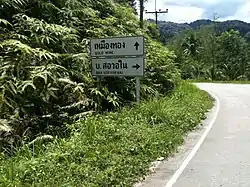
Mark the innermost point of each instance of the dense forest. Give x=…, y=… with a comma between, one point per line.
x=209, y=50
x=169, y=30
x=206, y=54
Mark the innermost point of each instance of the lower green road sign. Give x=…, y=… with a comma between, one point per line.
x=129, y=67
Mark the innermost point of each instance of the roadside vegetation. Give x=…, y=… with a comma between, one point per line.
x=211, y=55
x=46, y=79
x=57, y=126
x=115, y=149
x=222, y=82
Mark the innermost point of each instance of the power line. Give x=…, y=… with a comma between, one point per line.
x=156, y=14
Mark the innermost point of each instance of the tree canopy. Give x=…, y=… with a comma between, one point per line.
x=205, y=54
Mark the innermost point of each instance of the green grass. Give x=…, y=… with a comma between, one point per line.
x=222, y=82
x=110, y=150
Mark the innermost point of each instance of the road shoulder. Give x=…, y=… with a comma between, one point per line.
x=164, y=170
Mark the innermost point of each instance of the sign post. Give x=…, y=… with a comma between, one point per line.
x=137, y=88
x=119, y=56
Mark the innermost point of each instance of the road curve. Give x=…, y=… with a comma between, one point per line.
x=223, y=159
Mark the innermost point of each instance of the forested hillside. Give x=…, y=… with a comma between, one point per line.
x=170, y=29
x=205, y=54
x=209, y=50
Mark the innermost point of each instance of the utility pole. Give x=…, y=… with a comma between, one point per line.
x=156, y=13
x=141, y=13
x=215, y=18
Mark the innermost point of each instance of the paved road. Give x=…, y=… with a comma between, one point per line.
x=223, y=159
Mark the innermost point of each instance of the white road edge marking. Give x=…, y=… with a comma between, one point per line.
x=185, y=163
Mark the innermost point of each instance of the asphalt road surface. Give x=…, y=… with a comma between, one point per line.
x=223, y=158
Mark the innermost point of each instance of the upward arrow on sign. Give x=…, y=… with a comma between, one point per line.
x=137, y=45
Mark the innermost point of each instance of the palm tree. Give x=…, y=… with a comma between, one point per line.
x=191, y=46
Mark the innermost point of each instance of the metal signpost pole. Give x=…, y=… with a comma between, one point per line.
x=98, y=96
x=138, y=86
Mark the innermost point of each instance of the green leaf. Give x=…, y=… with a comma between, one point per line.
x=5, y=22
x=4, y=126
x=65, y=80
x=26, y=84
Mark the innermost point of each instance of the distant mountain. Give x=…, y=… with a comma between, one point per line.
x=171, y=29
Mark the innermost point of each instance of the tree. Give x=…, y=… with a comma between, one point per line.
x=131, y=3
x=207, y=37
x=191, y=46
x=232, y=56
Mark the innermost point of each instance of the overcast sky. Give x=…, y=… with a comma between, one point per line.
x=190, y=10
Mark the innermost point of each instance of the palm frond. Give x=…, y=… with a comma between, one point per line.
x=26, y=84
x=5, y=22
x=16, y=4
x=4, y=126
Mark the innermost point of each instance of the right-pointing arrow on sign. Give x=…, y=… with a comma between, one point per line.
x=137, y=45
x=137, y=66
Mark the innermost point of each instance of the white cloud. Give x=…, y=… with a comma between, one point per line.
x=191, y=10
x=180, y=14
x=176, y=13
